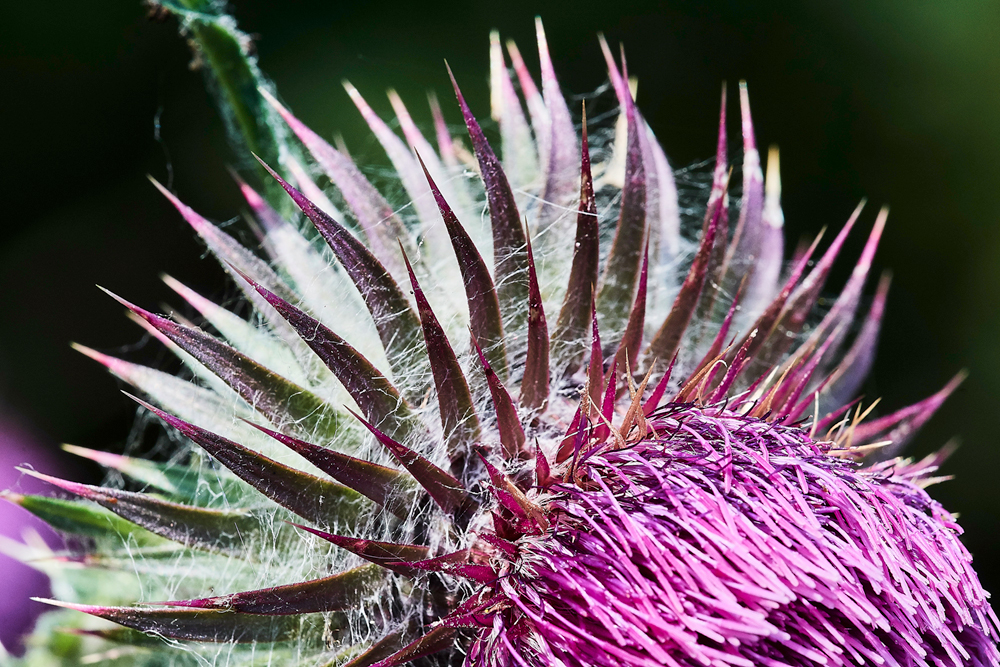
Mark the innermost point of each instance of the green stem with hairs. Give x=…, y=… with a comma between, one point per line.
x=234, y=81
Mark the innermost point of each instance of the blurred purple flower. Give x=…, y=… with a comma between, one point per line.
x=20, y=446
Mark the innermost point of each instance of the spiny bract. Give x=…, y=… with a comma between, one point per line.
x=614, y=447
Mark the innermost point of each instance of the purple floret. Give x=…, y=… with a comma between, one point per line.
x=724, y=540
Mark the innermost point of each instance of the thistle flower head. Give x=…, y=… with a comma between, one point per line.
x=610, y=445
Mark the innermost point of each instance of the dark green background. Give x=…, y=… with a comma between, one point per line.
x=898, y=101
